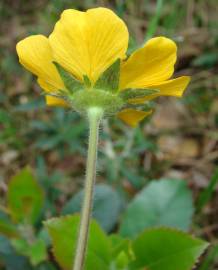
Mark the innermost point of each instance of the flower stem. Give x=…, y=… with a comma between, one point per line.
x=94, y=116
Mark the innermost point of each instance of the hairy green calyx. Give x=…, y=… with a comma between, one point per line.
x=103, y=94
x=85, y=99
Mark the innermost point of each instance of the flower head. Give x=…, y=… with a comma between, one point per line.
x=83, y=63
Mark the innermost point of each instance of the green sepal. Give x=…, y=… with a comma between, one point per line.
x=87, y=81
x=142, y=107
x=110, y=103
x=137, y=93
x=109, y=79
x=71, y=83
x=61, y=95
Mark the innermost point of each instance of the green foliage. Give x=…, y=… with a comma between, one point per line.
x=35, y=250
x=63, y=232
x=69, y=81
x=119, y=245
x=109, y=79
x=166, y=202
x=206, y=60
x=9, y=131
x=106, y=209
x=25, y=197
x=207, y=193
x=6, y=227
x=154, y=249
x=52, y=134
x=167, y=249
x=209, y=260
x=137, y=93
x=128, y=169
x=10, y=258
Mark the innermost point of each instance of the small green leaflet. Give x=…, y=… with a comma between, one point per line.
x=109, y=79
x=70, y=82
x=137, y=93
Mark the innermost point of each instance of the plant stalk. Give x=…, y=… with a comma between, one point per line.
x=94, y=116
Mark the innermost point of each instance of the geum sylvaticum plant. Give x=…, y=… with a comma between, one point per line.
x=83, y=66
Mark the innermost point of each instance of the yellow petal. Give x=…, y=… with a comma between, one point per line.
x=148, y=65
x=54, y=101
x=174, y=87
x=132, y=117
x=35, y=55
x=87, y=43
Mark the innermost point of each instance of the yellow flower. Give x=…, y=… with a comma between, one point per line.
x=86, y=44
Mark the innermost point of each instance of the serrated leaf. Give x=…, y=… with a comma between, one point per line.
x=137, y=93
x=109, y=79
x=71, y=83
x=63, y=232
x=167, y=249
x=106, y=209
x=25, y=197
x=166, y=202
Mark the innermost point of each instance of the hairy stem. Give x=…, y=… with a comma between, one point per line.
x=94, y=117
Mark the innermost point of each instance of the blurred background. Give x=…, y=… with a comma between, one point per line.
x=179, y=141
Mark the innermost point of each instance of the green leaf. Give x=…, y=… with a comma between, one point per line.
x=167, y=249
x=166, y=202
x=211, y=258
x=118, y=244
x=63, y=232
x=121, y=261
x=207, y=193
x=35, y=251
x=25, y=197
x=137, y=93
x=106, y=209
x=9, y=257
x=109, y=79
x=7, y=229
x=121, y=252
x=70, y=82
x=207, y=60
